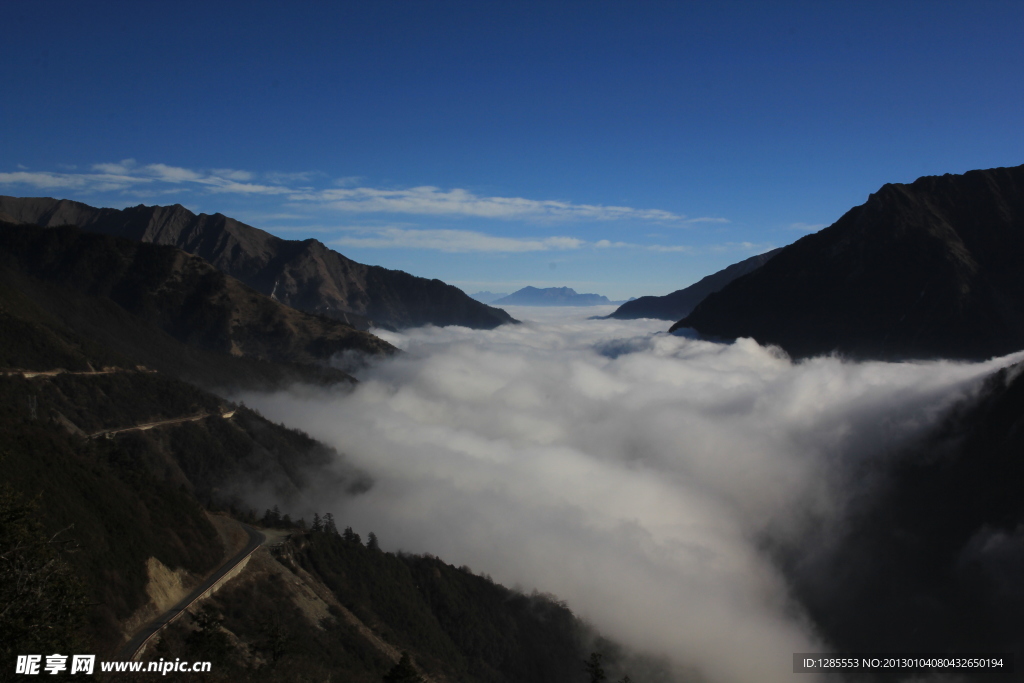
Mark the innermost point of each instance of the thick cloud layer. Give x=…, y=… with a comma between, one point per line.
x=633, y=474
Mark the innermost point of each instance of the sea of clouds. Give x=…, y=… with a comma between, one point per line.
x=636, y=475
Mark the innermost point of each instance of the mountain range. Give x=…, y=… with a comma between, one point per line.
x=305, y=275
x=160, y=307
x=929, y=269
x=679, y=303
x=551, y=296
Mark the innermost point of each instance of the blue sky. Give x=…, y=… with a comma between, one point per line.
x=623, y=148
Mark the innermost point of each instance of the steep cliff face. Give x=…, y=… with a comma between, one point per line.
x=930, y=269
x=302, y=274
x=680, y=302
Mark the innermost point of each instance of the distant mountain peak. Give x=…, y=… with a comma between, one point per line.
x=551, y=296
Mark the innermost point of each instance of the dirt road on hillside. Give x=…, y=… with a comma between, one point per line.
x=134, y=646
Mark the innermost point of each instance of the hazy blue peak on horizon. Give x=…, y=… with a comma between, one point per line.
x=552, y=296
x=486, y=297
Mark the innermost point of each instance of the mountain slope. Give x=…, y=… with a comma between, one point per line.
x=134, y=506
x=930, y=269
x=44, y=325
x=302, y=274
x=134, y=501
x=181, y=294
x=932, y=560
x=679, y=303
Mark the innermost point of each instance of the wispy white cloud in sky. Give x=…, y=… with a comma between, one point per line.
x=467, y=241
x=100, y=181
x=232, y=174
x=428, y=200
x=464, y=241
x=707, y=219
x=129, y=177
x=608, y=244
x=454, y=241
x=670, y=248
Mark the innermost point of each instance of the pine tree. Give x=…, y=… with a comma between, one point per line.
x=403, y=672
x=593, y=668
x=329, y=526
x=371, y=542
x=318, y=524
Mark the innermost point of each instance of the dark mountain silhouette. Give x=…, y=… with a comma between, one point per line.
x=926, y=270
x=679, y=303
x=551, y=296
x=302, y=274
x=931, y=559
x=180, y=294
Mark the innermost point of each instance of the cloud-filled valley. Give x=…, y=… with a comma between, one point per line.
x=636, y=475
x=513, y=343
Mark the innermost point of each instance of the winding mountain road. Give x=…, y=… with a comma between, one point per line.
x=160, y=423
x=134, y=646
x=33, y=374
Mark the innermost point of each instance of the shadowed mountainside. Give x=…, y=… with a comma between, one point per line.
x=305, y=275
x=925, y=270
x=180, y=294
x=679, y=303
x=124, y=502
x=44, y=326
x=932, y=560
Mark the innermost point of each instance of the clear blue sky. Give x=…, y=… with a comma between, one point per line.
x=623, y=148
